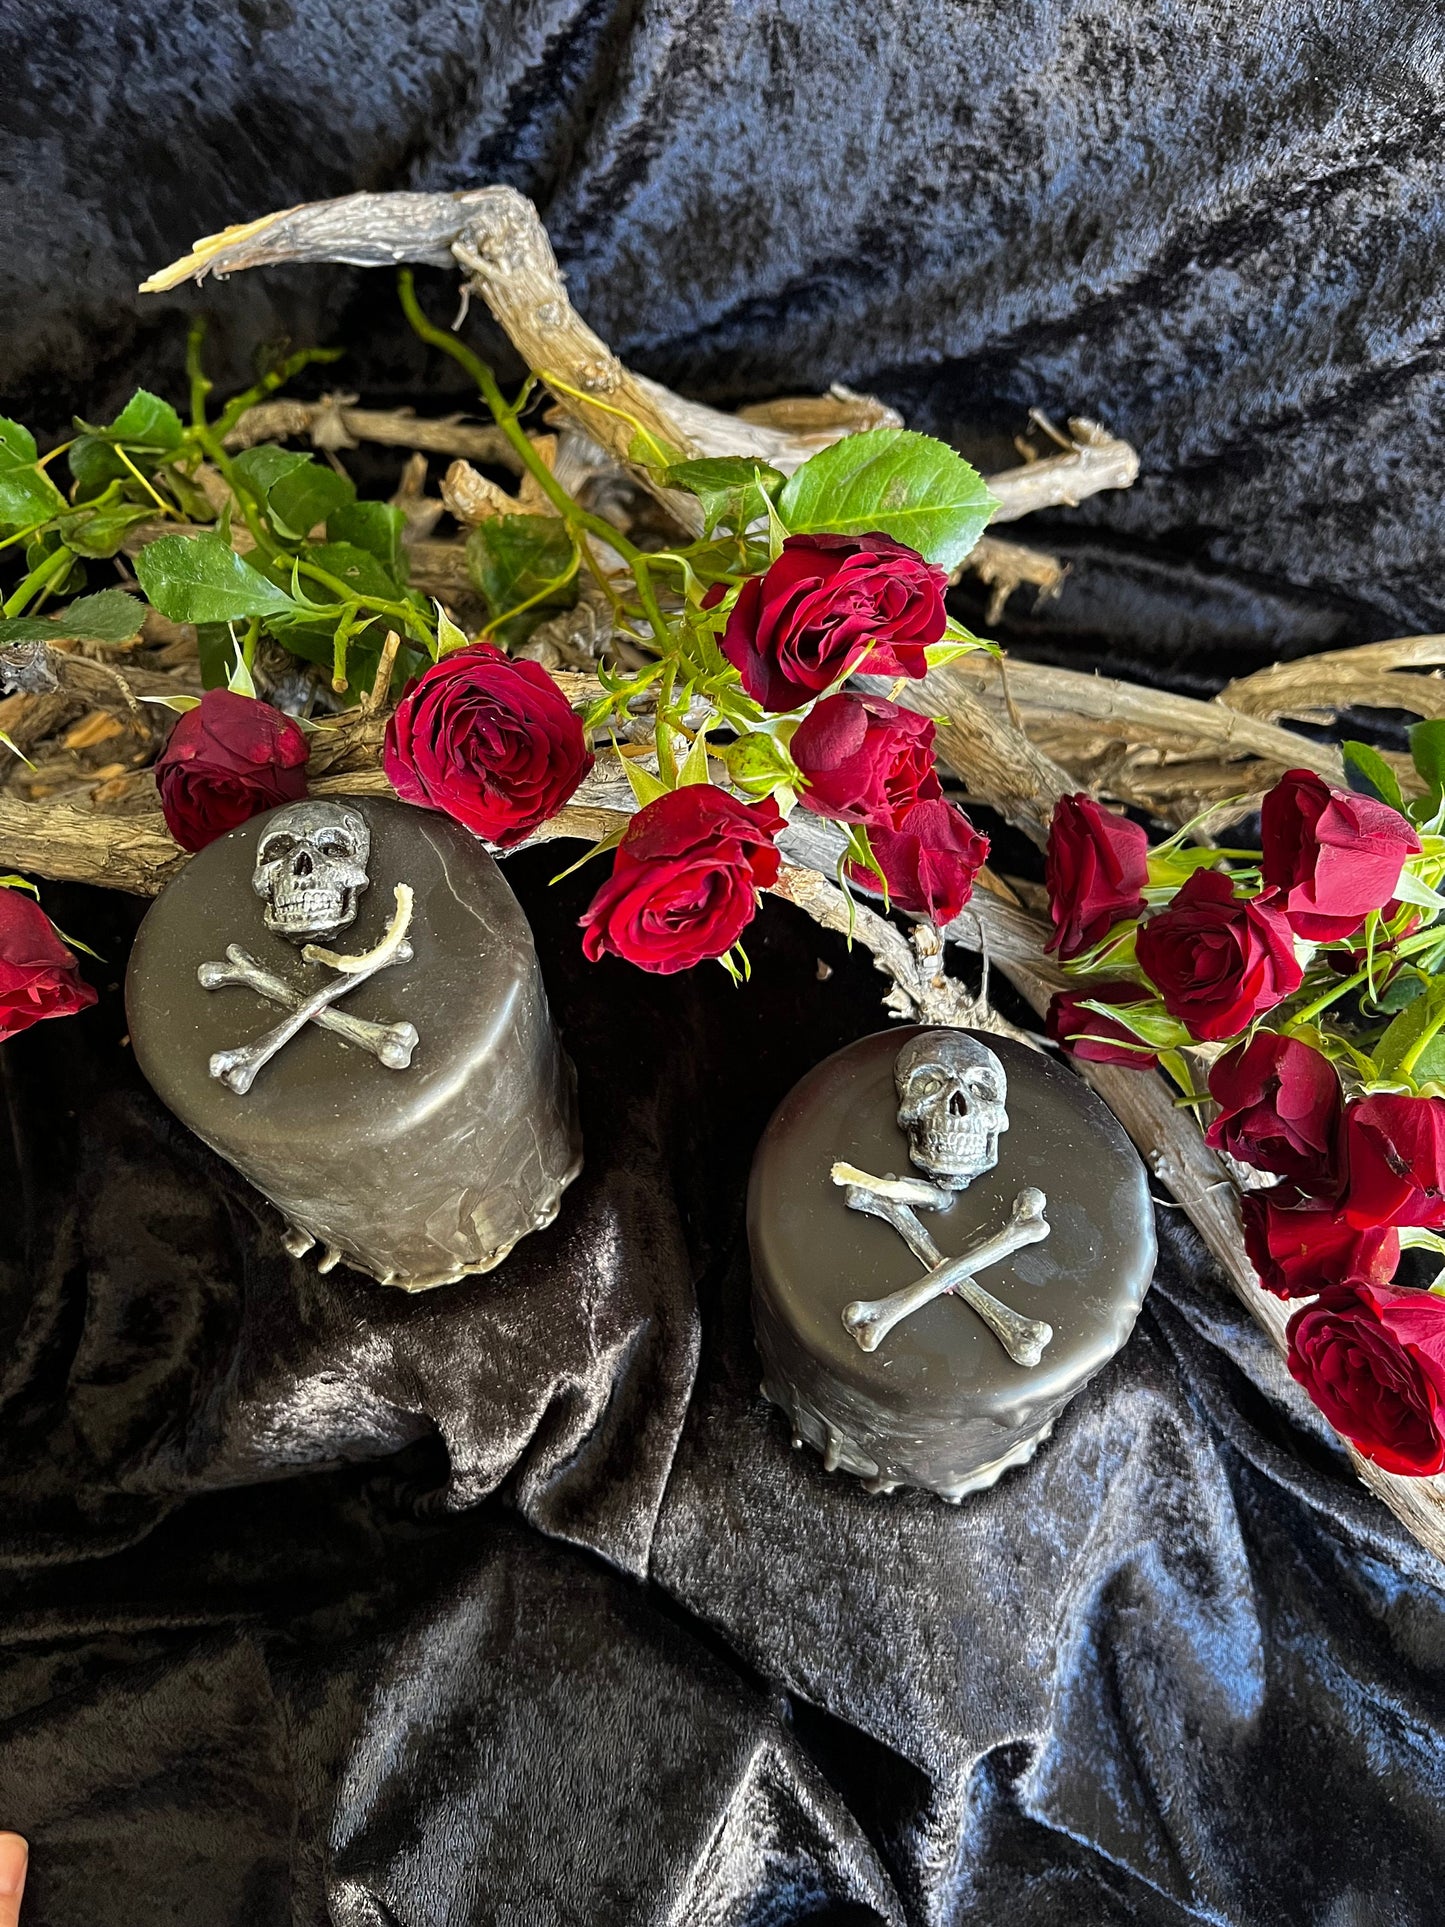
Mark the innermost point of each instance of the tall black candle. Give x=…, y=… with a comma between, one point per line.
x=344, y=1000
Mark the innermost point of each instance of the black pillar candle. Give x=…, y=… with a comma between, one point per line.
x=425, y=1119
x=938, y=1402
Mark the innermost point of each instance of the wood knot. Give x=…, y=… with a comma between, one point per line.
x=601, y=376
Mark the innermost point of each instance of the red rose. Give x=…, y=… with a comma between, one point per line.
x=930, y=860
x=1373, y=1360
x=39, y=976
x=1299, y=1247
x=488, y=740
x=1280, y=1109
x=1395, y=1154
x=685, y=880
x=827, y=600
x=866, y=760
x=225, y=762
x=1092, y=1036
x=1096, y=868
x=1332, y=855
x=1218, y=960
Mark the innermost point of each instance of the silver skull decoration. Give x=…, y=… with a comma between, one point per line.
x=952, y=1098
x=311, y=869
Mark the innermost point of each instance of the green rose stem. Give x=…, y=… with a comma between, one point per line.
x=573, y=514
x=38, y=582
x=1408, y=947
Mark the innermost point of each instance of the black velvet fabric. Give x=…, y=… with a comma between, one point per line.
x=510, y=1604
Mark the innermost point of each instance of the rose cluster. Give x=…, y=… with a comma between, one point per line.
x=1352, y=1170
x=492, y=742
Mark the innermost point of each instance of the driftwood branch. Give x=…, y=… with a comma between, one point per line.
x=496, y=236
x=1091, y=461
x=334, y=423
x=1003, y=567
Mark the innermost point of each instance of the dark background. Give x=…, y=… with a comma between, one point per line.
x=510, y=1604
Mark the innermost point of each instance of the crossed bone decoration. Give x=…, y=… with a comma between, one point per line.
x=893, y=1200
x=391, y=1044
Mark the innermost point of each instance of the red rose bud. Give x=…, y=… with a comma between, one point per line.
x=685, y=880
x=930, y=860
x=1395, y=1155
x=225, y=762
x=1332, y=855
x=39, y=976
x=825, y=602
x=1096, y=868
x=1218, y=960
x=1095, y=1038
x=1299, y=1246
x=865, y=759
x=1373, y=1359
x=1280, y=1109
x=487, y=740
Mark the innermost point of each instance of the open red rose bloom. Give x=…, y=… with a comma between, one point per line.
x=489, y=740
x=828, y=602
x=684, y=880
x=1373, y=1360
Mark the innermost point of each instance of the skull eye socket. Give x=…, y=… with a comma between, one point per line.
x=332, y=843
x=277, y=848
x=928, y=1085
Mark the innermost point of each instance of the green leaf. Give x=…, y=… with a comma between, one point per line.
x=17, y=445
x=909, y=486
x=1429, y=1066
x=305, y=496
x=1415, y=1021
x=109, y=616
x=199, y=579
x=734, y=489
x=1401, y=991
x=358, y=569
x=147, y=427
x=216, y=651
x=376, y=527
x=147, y=422
x=27, y=494
x=1409, y=888
x=1369, y=774
x=102, y=532
x=516, y=558
x=259, y=468
x=1427, y=751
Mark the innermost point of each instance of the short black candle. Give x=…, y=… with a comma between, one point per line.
x=939, y=1403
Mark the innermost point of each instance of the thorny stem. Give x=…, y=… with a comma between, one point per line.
x=505, y=416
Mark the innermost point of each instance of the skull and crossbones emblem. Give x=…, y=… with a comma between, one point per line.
x=311, y=869
x=952, y=1106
